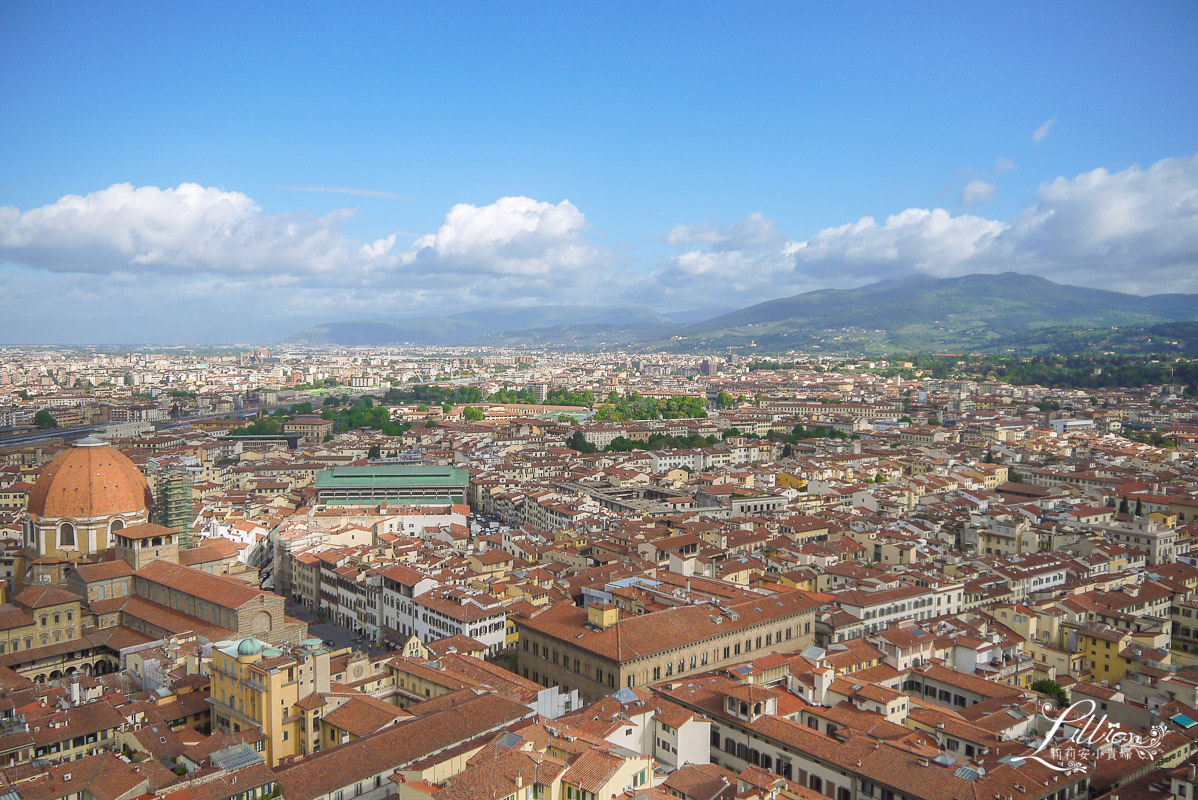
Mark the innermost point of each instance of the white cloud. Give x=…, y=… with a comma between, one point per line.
x=738, y=260
x=147, y=247
x=183, y=230
x=1041, y=133
x=977, y=191
x=754, y=232
x=1003, y=164
x=915, y=240
x=514, y=236
x=193, y=229
x=1134, y=230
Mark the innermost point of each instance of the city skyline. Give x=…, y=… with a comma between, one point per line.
x=187, y=176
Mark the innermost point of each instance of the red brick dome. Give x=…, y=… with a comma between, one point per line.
x=91, y=479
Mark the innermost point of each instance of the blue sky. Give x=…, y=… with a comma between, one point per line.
x=710, y=154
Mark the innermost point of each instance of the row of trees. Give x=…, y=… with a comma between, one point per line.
x=656, y=441
x=424, y=394
x=345, y=413
x=456, y=395
x=636, y=406
x=1093, y=371
x=362, y=413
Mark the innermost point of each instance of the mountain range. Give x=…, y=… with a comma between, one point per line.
x=919, y=313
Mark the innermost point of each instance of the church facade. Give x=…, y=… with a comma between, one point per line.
x=97, y=576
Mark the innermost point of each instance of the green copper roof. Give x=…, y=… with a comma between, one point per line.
x=392, y=476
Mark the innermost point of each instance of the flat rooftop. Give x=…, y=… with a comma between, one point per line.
x=391, y=476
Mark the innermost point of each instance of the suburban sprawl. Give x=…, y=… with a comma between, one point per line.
x=495, y=573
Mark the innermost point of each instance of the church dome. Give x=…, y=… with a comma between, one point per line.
x=91, y=479
x=249, y=647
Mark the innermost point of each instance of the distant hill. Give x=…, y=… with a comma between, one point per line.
x=916, y=314
x=583, y=336
x=923, y=313
x=698, y=314
x=462, y=328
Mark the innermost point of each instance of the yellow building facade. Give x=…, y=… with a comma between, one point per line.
x=256, y=686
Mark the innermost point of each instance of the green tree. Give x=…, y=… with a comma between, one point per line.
x=446, y=408
x=267, y=426
x=374, y=452
x=44, y=419
x=559, y=397
x=725, y=400
x=472, y=414
x=578, y=442
x=1053, y=690
x=1124, y=507
x=1139, y=507
x=637, y=406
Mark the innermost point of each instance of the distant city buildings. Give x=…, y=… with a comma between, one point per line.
x=232, y=575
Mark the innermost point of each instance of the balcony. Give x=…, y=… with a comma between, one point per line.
x=217, y=705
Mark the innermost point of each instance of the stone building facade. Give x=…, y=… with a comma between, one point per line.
x=597, y=651
x=218, y=600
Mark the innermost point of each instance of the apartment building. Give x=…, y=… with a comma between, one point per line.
x=882, y=609
x=598, y=650
x=254, y=686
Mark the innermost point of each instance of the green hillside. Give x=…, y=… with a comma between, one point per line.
x=917, y=314
x=970, y=312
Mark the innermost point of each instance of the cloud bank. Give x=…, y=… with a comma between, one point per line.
x=164, y=255
x=1135, y=230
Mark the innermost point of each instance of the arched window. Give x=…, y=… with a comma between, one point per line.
x=115, y=526
x=66, y=535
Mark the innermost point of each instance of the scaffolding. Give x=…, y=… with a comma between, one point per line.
x=175, y=508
